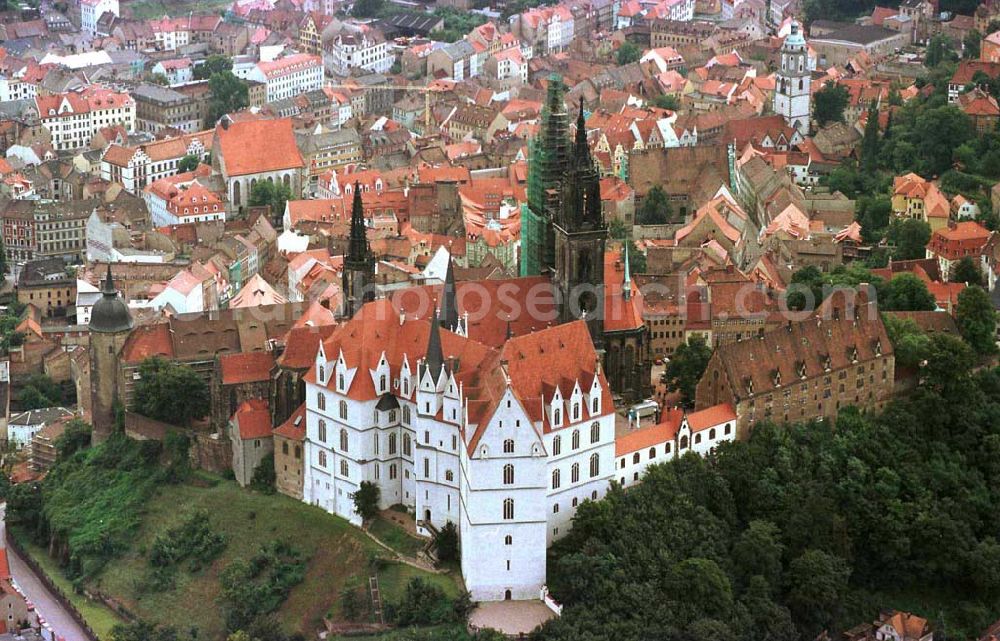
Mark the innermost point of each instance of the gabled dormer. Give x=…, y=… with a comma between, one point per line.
x=452, y=401
x=344, y=374
x=406, y=382
x=576, y=402
x=557, y=409
x=594, y=396
x=322, y=366
x=382, y=376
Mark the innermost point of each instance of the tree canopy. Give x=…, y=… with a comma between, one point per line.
x=628, y=53
x=170, y=392
x=802, y=528
x=229, y=94
x=829, y=103
x=654, y=209
x=274, y=195
x=976, y=319
x=910, y=237
x=685, y=367
x=215, y=63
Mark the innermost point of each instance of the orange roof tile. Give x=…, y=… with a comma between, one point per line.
x=253, y=419
x=246, y=367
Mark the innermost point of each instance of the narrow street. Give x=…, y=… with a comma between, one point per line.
x=46, y=604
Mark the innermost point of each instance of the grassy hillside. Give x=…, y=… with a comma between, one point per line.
x=149, y=9
x=337, y=553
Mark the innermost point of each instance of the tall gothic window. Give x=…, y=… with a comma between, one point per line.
x=508, y=474
x=343, y=440
x=508, y=509
x=595, y=465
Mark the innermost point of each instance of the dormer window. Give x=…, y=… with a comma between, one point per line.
x=576, y=412
x=556, y=416
x=595, y=404
x=382, y=383
x=322, y=374
x=340, y=382
x=777, y=378
x=802, y=369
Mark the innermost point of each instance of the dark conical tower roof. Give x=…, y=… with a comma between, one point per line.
x=110, y=314
x=435, y=355
x=581, y=185
x=358, y=250
x=449, y=303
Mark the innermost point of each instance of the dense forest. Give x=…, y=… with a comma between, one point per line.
x=804, y=528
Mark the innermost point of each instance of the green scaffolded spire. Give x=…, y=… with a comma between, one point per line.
x=548, y=160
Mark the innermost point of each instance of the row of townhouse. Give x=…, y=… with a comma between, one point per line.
x=73, y=118
x=285, y=77
x=136, y=167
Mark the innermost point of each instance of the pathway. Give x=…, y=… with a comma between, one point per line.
x=46, y=604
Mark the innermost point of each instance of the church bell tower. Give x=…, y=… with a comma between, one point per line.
x=580, y=237
x=358, y=280
x=791, y=91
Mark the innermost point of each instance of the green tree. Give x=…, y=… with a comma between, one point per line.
x=829, y=103
x=971, y=44
x=907, y=293
x=976, y=319
x=937, y=133
x=367, y=8
x=939, y=50
x=74, y=438
x=617, y=229
x=817, y=584
x=188, y=163
x=264, y=477
x=229, y=94
x=685, y=368
x=636, y=259
x=805, y=290
x=446, y=543
x=910, y=345
x=665, y=101
x=967, y=271
x=870, y=143
x=157, y=79
x=910, y=238
x=215, y=63
x=758, y=552
x=273, y=195
x=366, y=500
x=170, y=392
x=654, y=209
x=40, y=391
x=628, y=53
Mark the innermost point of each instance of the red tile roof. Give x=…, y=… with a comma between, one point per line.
x=246, y=367
x=253, y=419
x=295, y=427
x=711, y=416
x=258, y=146
x=644, y=437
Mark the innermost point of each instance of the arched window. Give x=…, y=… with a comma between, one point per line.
x=556, y=417
x=595, y=465
x=728, y=428
x=576, y=439
x=595, y=432
x=381, y=383
x=344, y=470
x=576, y=411
x=375, y=442
x=321, y=431
x=392, y=444
x=449, y=475
x=298, y=452
x=322, y=458
x=322, y=373
x=392, y=471
x=711, y=434
x=343, y=410
x=508, y=474
x=508, y=509
x=508, y=540
x=508, y=446
x=406, y=445
x=652, y=453
x=574, y=473
x=284, y=448
x=340, y=382
x=557, y=445
x=343, y=440
x=392, y=416
x=697, y=438
x=684, y=442
x=321, y=400
x=406, y=415
x=635, y=458
x=555, y=479
x=595, y=406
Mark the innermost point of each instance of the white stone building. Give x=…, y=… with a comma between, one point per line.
x=136, y=167
x=791, y=91
x=504, y=443
x=74, y=117
x=360, y=48
x=287, y=77
x=92, y=10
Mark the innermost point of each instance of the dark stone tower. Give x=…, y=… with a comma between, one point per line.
x=110, y=324
x=449, y=300
x=580, y=236
x=358, y=283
